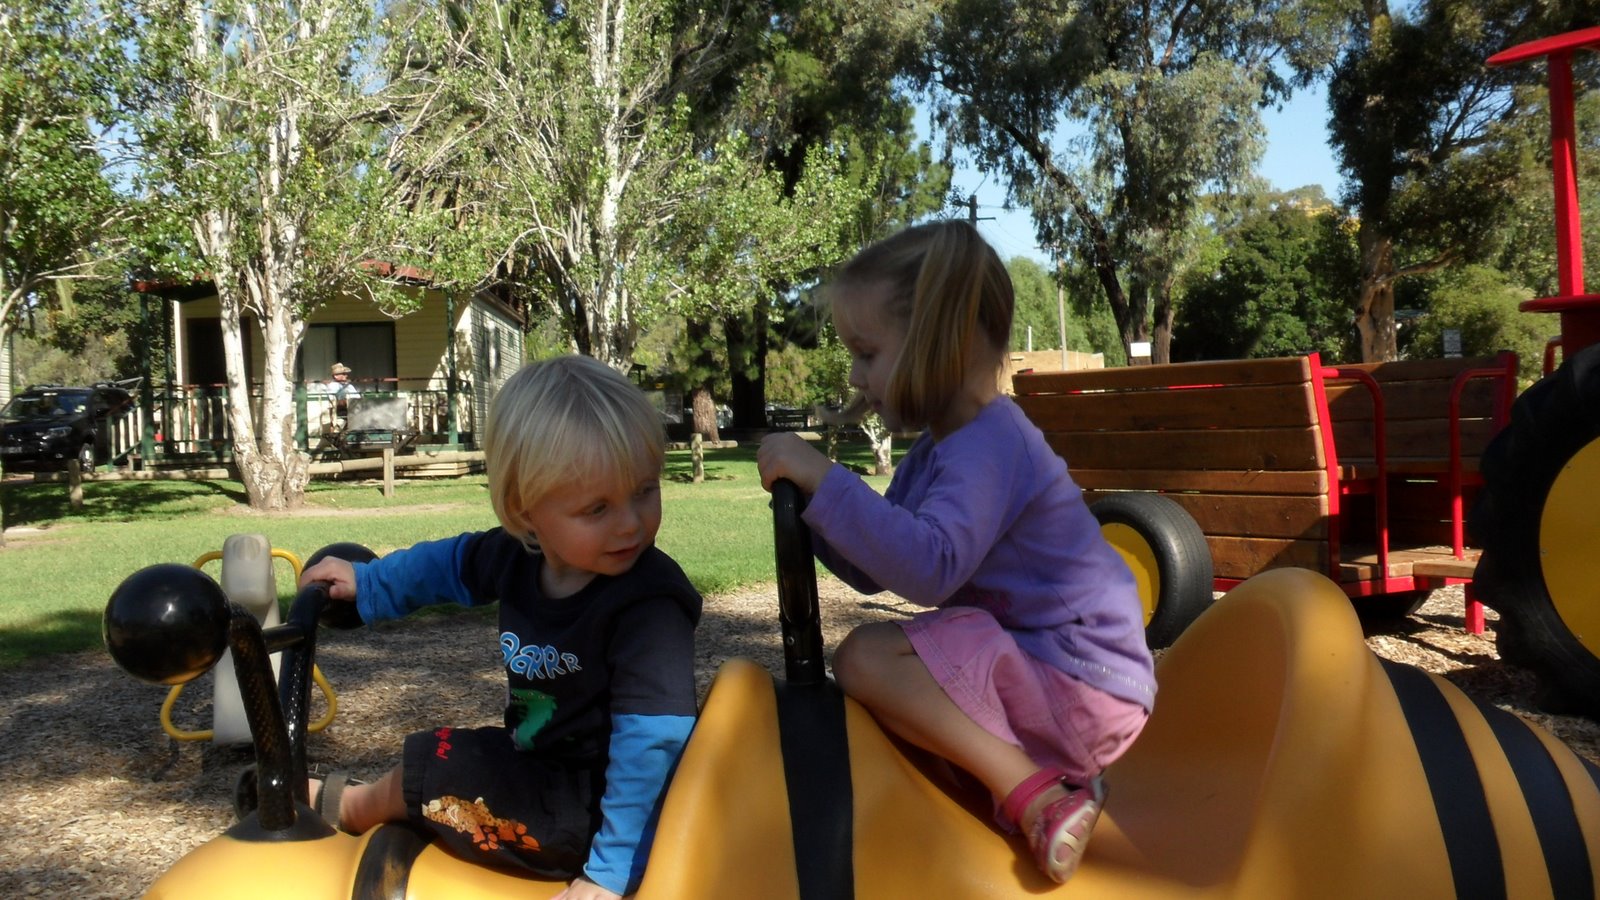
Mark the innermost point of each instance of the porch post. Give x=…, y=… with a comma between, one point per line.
x=301, y=439
x=169, y=329
x=450, y=366
x=147, y=427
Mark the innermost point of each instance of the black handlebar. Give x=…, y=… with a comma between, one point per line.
x=798, y=612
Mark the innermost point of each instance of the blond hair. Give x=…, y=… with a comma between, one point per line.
x=563, y=419
x=948, y=286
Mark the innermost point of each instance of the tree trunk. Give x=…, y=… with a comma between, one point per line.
x=747, y=353
x=1374, y=316
x=882, y=440
x=704, y=409
x=273, y=470
x=1164, y=315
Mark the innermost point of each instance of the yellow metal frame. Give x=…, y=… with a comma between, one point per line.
x=207, y=734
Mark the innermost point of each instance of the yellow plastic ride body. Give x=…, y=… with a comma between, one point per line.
x=1284, y=760
x=1280, y=763
x=329, y=868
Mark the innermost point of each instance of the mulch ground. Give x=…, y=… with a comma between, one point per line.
x=96, y=801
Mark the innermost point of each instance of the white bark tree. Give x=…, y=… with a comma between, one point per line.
x=584, y=107
x=262, y=140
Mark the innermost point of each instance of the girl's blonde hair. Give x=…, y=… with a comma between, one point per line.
x=948, y=286
x=564, y=419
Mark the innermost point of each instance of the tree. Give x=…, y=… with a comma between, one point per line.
x=261, y=149
x=742, y=236
x=1159, y=103
x=816, y=78
x=97, y=335
x=1089, y=325
x=585, y=106
x=1480, y=304
x=1035, y=311
x=58, y=212
x=1419, y=125
x=1281, y=288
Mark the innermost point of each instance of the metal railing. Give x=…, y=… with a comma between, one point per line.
x=190, y=423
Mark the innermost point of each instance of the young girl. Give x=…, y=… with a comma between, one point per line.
x=1030, y=671
x=596, y=633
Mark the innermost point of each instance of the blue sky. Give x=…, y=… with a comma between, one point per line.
x=1297, y=155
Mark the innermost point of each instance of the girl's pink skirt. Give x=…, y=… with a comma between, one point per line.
x=1056, y=719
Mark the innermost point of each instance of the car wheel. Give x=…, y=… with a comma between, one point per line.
x=86, y=457
x=1167, y=553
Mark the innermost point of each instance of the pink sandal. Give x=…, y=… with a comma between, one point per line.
x=1061, y=831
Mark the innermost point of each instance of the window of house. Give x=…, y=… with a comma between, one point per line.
x=366, y=347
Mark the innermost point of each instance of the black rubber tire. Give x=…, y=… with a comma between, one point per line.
x=1550, y=423
x=86, y=458
x=1182, y=559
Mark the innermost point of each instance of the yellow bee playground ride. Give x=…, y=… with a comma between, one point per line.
x=1284, y=760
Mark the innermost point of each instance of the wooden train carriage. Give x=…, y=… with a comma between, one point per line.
x=1438, y=416
x=1256, y=452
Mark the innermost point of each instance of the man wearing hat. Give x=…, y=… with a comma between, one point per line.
x=340, y=388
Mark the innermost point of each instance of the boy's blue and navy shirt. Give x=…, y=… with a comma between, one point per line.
x=602, y=677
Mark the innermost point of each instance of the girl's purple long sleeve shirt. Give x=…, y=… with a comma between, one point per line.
x=989, y=517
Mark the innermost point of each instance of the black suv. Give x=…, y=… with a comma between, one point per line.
x=47, y=424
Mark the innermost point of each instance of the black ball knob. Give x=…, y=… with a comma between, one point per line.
x=167, y=623
x=349, y=551
x=339, y=613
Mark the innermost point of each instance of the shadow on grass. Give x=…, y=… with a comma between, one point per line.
x=27, y=503
x=63, y=631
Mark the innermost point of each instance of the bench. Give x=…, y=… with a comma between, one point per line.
x=374, y=424
x=1251, y=449
x=787, y=419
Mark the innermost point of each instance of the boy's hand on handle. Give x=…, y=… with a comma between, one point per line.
x=584, y=889
x=787, y=455
x=340, y=575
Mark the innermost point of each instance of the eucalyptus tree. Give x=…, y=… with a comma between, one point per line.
x=264, y=143
x=584, y=110
x=1112, y=120
x=59, y=214
x=653, y=159
x=803, y=77
x=1426, y=137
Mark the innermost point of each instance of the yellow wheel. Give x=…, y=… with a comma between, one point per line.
x=1167, y=553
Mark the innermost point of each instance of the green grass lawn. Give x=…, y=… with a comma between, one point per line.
x=60, y=564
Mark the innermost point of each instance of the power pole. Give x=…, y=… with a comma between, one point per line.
x=972, y=211
x=1061, y=302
